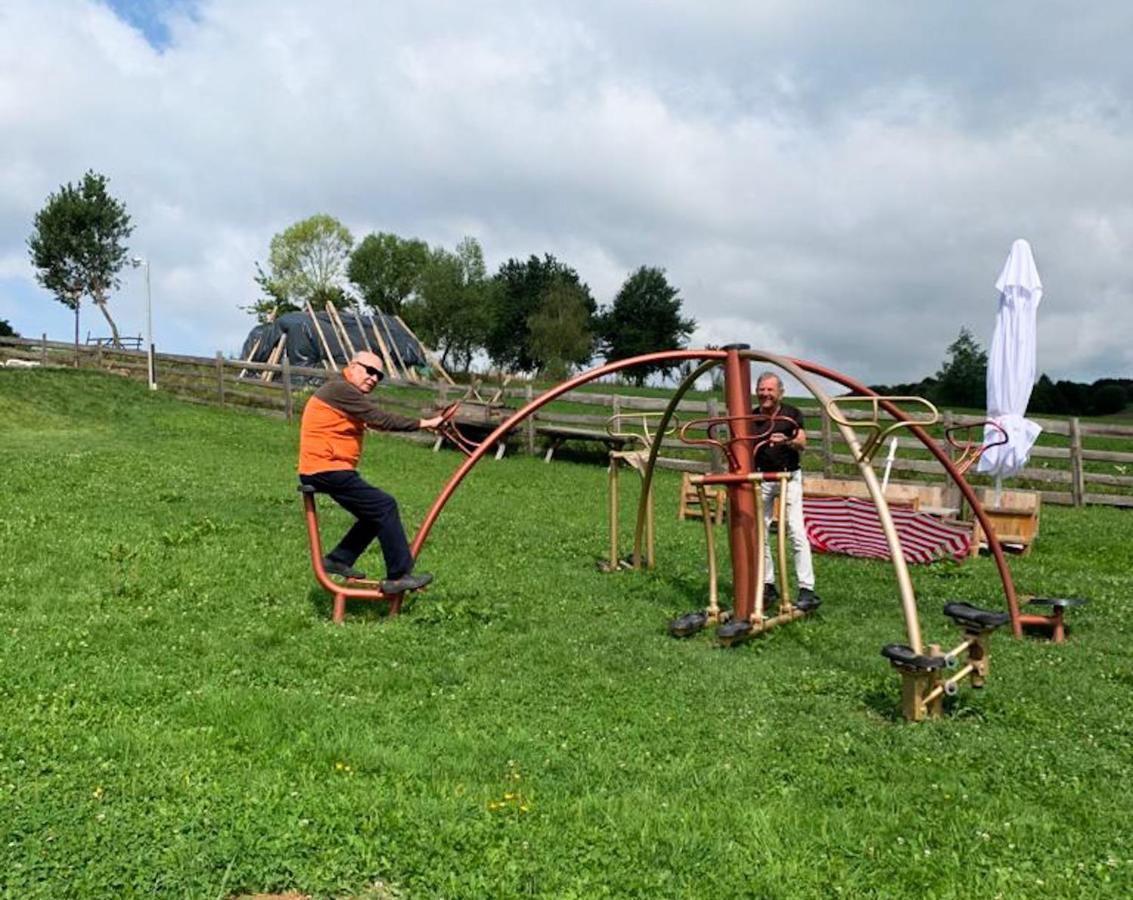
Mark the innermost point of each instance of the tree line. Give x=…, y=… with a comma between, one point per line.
x=962, y=381
x=531, y=315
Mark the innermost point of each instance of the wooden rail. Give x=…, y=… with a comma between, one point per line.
x=1078, y=472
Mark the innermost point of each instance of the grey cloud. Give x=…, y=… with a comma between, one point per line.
x=842, y=184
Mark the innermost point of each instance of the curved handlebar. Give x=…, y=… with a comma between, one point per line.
x=971, y=450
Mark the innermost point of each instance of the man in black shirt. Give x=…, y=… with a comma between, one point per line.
x=780, y=453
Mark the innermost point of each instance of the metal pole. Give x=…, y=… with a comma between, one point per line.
x=150, y=361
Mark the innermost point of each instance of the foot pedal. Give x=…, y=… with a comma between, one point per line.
x=734, y=631
x=1058, y=602
x=688, y=624
x=904, y=657
x=972, y=617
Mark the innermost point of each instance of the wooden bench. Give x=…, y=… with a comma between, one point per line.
x=557, y=435
x=690, y=501
x=922, y=497
x=1015, y=518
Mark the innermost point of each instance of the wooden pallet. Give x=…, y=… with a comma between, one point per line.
x=690, y=507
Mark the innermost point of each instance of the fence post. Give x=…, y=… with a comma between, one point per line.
x=1077, y=476
x=43, y=350
x=288, y=408
x=827, y=445
x=529, y=422
x=220, y=377
x=716, y=457
x=952, y=495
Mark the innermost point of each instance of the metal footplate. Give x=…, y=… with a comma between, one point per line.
x=735, y=631
x=904, y=657
x=972, y=618
x=688, y=624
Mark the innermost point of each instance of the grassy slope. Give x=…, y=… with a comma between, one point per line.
x=179, y=717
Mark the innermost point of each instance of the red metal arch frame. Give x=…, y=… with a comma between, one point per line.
x=709, y=358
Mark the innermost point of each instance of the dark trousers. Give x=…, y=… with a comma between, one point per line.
x=376, y=512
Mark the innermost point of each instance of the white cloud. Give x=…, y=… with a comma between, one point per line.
x=812, y=182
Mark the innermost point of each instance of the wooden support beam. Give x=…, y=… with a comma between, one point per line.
x=328, y=361
x=251, y=355
x=340, y=332
x=273, y=359
x=386, y=358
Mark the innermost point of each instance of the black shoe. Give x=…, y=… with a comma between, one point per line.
x=770, y=593
x=808, y=600
x=334, y=567
x=406, y=583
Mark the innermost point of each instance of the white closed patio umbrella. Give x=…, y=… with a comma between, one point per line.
x=1011, y=366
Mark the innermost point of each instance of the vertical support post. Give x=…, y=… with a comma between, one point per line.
x=827, y=445
x=716, y=458
x=742, y=526
x=220, y=377
x=613, y=489
x=43, y=350
x=288, y=404
x=1077, y=476
x=529, y=422
x=98, y=354
x=952, y=496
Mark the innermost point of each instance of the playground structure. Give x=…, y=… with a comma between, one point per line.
x=635, y=430
x=922, y=680
x=363, y=588
x=353, y=588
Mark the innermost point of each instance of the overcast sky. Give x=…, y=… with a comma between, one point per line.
x=831, y=180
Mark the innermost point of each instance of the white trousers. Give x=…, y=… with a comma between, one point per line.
x=804, y=567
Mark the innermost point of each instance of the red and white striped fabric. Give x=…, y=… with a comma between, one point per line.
x=851, y=525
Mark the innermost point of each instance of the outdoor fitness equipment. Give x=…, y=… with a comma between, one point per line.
x=358, y=588
x=352, y=588
x=725, y=434
x=634, y=429
x=735, y=360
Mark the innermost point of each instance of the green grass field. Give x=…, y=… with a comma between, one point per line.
x=180, y=718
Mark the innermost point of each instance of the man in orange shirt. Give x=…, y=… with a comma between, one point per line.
x=334, y=422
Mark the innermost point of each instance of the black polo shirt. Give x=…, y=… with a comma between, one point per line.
x=779, y=457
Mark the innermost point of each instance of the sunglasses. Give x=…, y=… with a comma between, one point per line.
x=371, y=371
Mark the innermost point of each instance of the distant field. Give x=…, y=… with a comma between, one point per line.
x=179, y=717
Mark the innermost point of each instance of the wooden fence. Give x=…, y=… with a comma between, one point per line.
x=1075, y=462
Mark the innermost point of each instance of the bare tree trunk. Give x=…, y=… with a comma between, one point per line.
x=115, y=340
x=78, y=303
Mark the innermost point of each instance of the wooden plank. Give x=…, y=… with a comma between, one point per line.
x=251, y=353
x=329, y=360
x=273, y=358
x=428, y=354
x=361, y=329
x=387, y=360
x=397, y=352
x=340, y=330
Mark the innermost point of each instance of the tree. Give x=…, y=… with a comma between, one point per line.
x=453, y=306
x=962, y=381
x=1108, y=399
x=273, y=301
x=387, y=270
x=559, y=330
x=645, y=318
x=523, y=287
x=1046, y=398
x=78, y=246
x=307, y=263
x=6, y=329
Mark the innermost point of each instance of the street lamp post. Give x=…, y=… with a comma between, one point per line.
x=151, y=366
